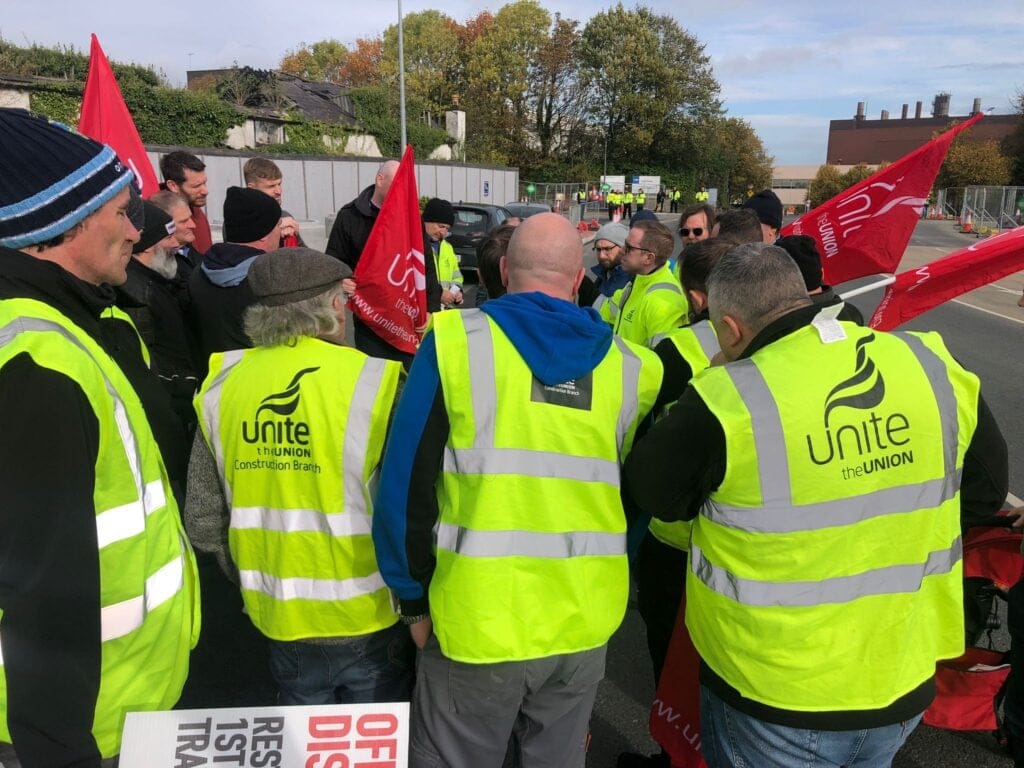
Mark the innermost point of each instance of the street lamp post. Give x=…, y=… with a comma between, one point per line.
x=401, y=77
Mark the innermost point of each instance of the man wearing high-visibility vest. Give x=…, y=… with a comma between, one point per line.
x=613, y=201
x=653, y=301
x=677, y=195
x=827, y=469
x=627, y=204
x=499, y=523
x=701, y=196
x=641, y=200
x=291, y=435
x=438, y=220
x=99, y=602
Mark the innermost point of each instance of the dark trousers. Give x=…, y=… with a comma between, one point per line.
x=1013, y=707
x=660, y=582
x=373, y=345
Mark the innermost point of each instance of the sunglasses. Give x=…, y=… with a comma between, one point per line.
x=697, y=231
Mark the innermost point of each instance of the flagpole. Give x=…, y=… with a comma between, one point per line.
x=887, y=280
x=401, y=78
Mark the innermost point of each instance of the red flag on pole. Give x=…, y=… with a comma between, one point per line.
x=922, y=289
x=391, y=277
x=106, y=119
x=865, y=229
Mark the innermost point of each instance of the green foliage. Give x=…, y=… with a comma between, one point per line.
x=321, y=61
x=1013, y=145
x=58, y=102
x=176, y=117
x=432, y=61
x=829, y=182
x=377, y=109
x=974, y=162
x=67, y=63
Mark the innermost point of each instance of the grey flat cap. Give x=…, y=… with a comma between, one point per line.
x=288, y=275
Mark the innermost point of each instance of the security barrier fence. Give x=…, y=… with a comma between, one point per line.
x=989, y=209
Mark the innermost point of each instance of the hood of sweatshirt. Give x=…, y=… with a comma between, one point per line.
x=227, y=264
x=558, y=340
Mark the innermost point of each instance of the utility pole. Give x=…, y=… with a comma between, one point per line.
x=401, y=77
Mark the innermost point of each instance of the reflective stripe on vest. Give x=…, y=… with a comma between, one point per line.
x=476, y=543
x=842, y=589
x=297, y=588
x=773, y=467
x=663, y=287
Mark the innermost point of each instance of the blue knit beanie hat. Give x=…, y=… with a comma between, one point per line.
x=50, y=178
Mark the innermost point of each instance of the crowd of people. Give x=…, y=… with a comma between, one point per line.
x=457, y=528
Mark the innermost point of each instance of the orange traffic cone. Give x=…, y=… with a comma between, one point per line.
x=968, y=223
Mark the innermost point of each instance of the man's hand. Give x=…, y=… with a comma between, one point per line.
x=421, y=631
x=1017, y=512
x=348, y=285
x=458, y=297
x=289, y=226
x=448, y=298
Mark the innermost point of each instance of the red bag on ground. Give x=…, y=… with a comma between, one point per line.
x=675, y=714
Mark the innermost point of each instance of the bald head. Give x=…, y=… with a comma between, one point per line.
x=382, y=183
x=545, y=255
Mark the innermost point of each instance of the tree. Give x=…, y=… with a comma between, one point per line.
x=973, y=162
x=432, y=65
x=557, y=96
x=826, y=184
x=321, y=62
x=241, y=86
x=362, y=66
x=730, y=156
x=1013, y=145
x=499, y=79
x=646, y=72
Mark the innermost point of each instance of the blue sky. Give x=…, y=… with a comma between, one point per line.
x=787, y=67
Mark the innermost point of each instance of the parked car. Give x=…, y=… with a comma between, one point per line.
x=526, y=210
x=472, y=223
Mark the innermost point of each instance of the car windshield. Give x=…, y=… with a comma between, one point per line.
x=469, y=222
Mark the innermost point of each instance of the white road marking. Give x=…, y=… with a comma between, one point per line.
x=989, y=311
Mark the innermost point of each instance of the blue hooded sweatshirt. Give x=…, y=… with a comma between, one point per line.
x=558, y=340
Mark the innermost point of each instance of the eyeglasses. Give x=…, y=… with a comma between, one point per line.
x=629, y=248
x=697, y=231
x=605, y=248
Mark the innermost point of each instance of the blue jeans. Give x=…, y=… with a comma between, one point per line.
x=370, y=669
x=731, y=739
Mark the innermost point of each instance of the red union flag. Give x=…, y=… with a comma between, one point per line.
x=391, y=277
x=922, y=289
x=675, y=716
x=106, y=119
x=865, y=229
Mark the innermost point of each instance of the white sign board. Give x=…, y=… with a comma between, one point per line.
x=712, y=196
x=617, y=183
x=649, y=184
x=351, y=735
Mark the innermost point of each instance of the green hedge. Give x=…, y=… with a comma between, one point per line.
x=377, y=109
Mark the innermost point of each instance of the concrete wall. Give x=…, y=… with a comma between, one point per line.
x=315, y=187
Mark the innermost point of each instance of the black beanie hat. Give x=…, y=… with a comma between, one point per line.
x=157, y=226
x=249, y=215
x=767, y=206
x=804, y=252
x=50, y=178
x=439, y=211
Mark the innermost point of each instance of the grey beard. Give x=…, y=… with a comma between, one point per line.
x=164, y=263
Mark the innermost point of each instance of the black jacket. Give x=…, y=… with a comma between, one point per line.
x=665, y=484
x=351, y=230
x=49, y=558
x=155, y=304
x=219, y=299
